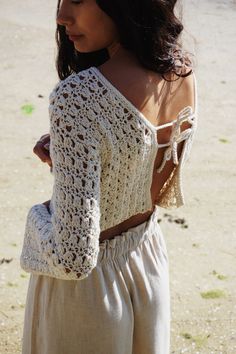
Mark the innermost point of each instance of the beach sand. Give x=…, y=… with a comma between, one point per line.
x=200, y=236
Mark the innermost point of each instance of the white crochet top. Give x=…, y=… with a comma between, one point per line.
x=103, y=151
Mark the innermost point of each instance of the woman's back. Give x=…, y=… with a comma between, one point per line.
x=159, y=102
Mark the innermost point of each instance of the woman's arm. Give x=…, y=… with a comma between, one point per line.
x=65, y=243
x=42, y=149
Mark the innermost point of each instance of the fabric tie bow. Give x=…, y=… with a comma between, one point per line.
x=177, y=136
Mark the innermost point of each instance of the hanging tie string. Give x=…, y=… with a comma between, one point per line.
x=178, y=136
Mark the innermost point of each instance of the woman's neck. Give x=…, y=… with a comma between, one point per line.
x=113, y=49
x=118, y=53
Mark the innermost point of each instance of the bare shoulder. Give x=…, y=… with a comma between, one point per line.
x=142, y=87
x=130, y=78
x=159, y=100
x=179, y=93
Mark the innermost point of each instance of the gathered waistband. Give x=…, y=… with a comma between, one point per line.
x=128, y=240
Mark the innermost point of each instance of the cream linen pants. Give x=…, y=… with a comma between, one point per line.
x=122, y=307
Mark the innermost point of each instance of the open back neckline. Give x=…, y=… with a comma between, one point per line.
x=135, y=110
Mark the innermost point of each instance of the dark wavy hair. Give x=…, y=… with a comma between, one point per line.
x=147, y=28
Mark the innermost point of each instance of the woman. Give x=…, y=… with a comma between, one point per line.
x=122, y=120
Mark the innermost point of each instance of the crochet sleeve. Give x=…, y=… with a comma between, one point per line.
x=65, y=242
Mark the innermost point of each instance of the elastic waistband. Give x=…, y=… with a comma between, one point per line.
x=128, y=240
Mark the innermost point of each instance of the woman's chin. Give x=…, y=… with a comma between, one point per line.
x=82, y=49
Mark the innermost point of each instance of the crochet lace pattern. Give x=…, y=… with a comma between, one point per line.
x=103, y=151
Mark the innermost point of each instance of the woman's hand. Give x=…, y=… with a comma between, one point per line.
x=47, y=204
x=41, y=149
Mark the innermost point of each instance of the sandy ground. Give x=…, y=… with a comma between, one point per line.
x=202, y=256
